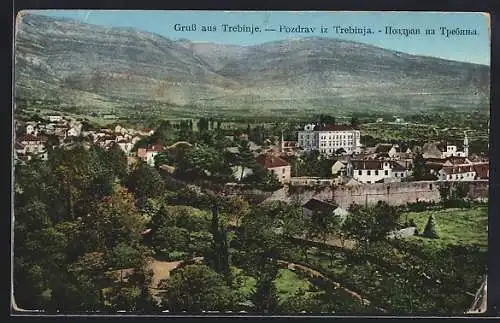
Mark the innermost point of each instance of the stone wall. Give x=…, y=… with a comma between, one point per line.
x=396, y=193
x=403, y=192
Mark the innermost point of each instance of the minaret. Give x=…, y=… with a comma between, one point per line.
x=466, y=145
x=282, y=142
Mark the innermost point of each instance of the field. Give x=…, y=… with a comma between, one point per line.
x=454, y=227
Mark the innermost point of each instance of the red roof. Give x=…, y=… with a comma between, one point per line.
x=156, y=148
x=397, y=167
x=482, y=170
x=457, y=160
x=376, y=164
x=335, y=127
x=368, y=164
x=435, y=160
x=271, y=161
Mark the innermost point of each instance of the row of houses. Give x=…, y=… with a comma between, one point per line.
x=33, y=137
x=363, y=169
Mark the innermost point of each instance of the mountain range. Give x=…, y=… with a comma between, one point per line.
x=96, y=67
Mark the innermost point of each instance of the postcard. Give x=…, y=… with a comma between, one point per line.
x=251, y=162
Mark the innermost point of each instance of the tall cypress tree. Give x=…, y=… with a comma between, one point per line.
x=220, y=247
x=430, y=229
x=224, y=255
x=215, y=237
x=265, y=296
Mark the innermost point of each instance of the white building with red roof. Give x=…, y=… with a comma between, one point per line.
x=148, y=154
x=456, y=168
x=278, y=166
x=329, y=139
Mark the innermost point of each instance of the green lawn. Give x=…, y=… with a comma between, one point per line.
x=454, y=226
x=287, y=283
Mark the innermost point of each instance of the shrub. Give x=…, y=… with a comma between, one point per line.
x=430, y=229
x=177, y=255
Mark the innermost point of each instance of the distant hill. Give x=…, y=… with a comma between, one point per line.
x=99, y=67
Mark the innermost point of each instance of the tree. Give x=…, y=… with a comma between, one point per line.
x=370, y=224
x=245, y=157
x=203, y=125
x=324, y=225
x=196, y=288
x=112, y=221
x=355, y=121
x=419, y=169
x=169, y=241
x=163, y=158
x=202, y=161
x=263, y=179
x=145, y=182
x=265, y=296
x=219, y=255
x=340, y=151
x=325, y=119
x=430, y=229
x=236, y=208
x=117, y=161
x=125, y=256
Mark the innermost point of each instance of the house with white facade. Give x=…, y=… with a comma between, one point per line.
x=148, y=154
x=31, y=146
x=438, y=150
x=55, y=118
x=453, y=169
x=125, y=145
x=376, y=171
x=330, y=139
x=456, y=173
x=72, y=132
x=339, y=168
x=31, y=128
x=386, y=150
x=278, y=166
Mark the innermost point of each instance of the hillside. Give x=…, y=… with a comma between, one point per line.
x=95, y=67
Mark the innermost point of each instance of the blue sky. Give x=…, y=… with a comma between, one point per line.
x=472, y=48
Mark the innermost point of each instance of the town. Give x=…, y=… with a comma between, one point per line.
x=348, y=161
x=311, y=194
x=161, y=167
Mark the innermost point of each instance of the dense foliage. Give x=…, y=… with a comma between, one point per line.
x=87, y=229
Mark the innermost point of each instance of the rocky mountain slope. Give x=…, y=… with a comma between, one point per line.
x=87, y=65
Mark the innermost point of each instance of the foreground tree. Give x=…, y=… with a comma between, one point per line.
x=196, y=288
x=265, y=296
x=114, y=220
x=145, y=182
x=370, y=224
